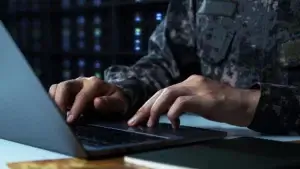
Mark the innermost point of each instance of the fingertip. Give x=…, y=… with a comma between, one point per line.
x=70, y=118
x=151, y=122
x=175, y=123
x=97, y=102
x=129, y=124
x=131, y=121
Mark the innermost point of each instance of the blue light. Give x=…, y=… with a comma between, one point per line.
x=137, y=48
x=97, y=2
x=97, y=32
x=81, y=63
x=137, y=41
x=158, y=16
x=80, y=20
x=97, y=65
x=137, y=31
x=137, y=18
x=97, y=47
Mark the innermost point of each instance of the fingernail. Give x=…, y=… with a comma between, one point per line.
x=132, y=120
x=70, y=118
x=150, y=123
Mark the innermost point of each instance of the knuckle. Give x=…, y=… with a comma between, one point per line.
x=197, y=77
x=52, y=87
x=95, y=81
x=194, y=76
x=143, y=110
x=65, y=85
x=168, y=91
x=80, y=78
x=160, y=91
x=180, y=101
x=93, y=78
x=171, y=116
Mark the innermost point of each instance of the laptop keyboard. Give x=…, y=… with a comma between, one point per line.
x=99, y=136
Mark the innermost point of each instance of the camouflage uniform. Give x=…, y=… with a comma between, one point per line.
x=245, y=43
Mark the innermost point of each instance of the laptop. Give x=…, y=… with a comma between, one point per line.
x=29, y=116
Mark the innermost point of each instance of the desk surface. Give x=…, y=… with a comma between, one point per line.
x=13, y=152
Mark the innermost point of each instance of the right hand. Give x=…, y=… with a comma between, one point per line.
x=76, y=95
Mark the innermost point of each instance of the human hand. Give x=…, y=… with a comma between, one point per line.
x=76, y=95
x=210, y=99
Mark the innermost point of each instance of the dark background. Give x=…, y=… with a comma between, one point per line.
x=63, y=39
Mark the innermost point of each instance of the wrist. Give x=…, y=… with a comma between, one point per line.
x=250, y=99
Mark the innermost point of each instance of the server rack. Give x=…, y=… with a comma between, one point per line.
x=64, y=39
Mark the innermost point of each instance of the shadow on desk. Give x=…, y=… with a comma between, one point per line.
x=259, y=147
x=250, y=148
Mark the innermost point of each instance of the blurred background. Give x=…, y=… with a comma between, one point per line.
x=64, y=39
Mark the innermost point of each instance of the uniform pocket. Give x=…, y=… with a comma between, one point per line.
x=289, y=54
x=215, y=29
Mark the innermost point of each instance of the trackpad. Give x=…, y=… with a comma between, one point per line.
x=100, y=136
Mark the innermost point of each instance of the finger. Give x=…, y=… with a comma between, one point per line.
x=85, y=96
x=144, y=112
x=64, y=92
x=163, y=103
x=92, y=87
x=52, y=90
x=109, y=104
x=182, y=104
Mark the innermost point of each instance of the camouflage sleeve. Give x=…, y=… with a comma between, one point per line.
x=163, y=66
x=278, y=110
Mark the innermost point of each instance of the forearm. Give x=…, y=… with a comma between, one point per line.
x=278, y=110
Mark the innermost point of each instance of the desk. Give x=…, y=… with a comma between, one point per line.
x=14, y=152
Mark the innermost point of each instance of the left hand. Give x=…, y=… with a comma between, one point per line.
x=197, y=94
